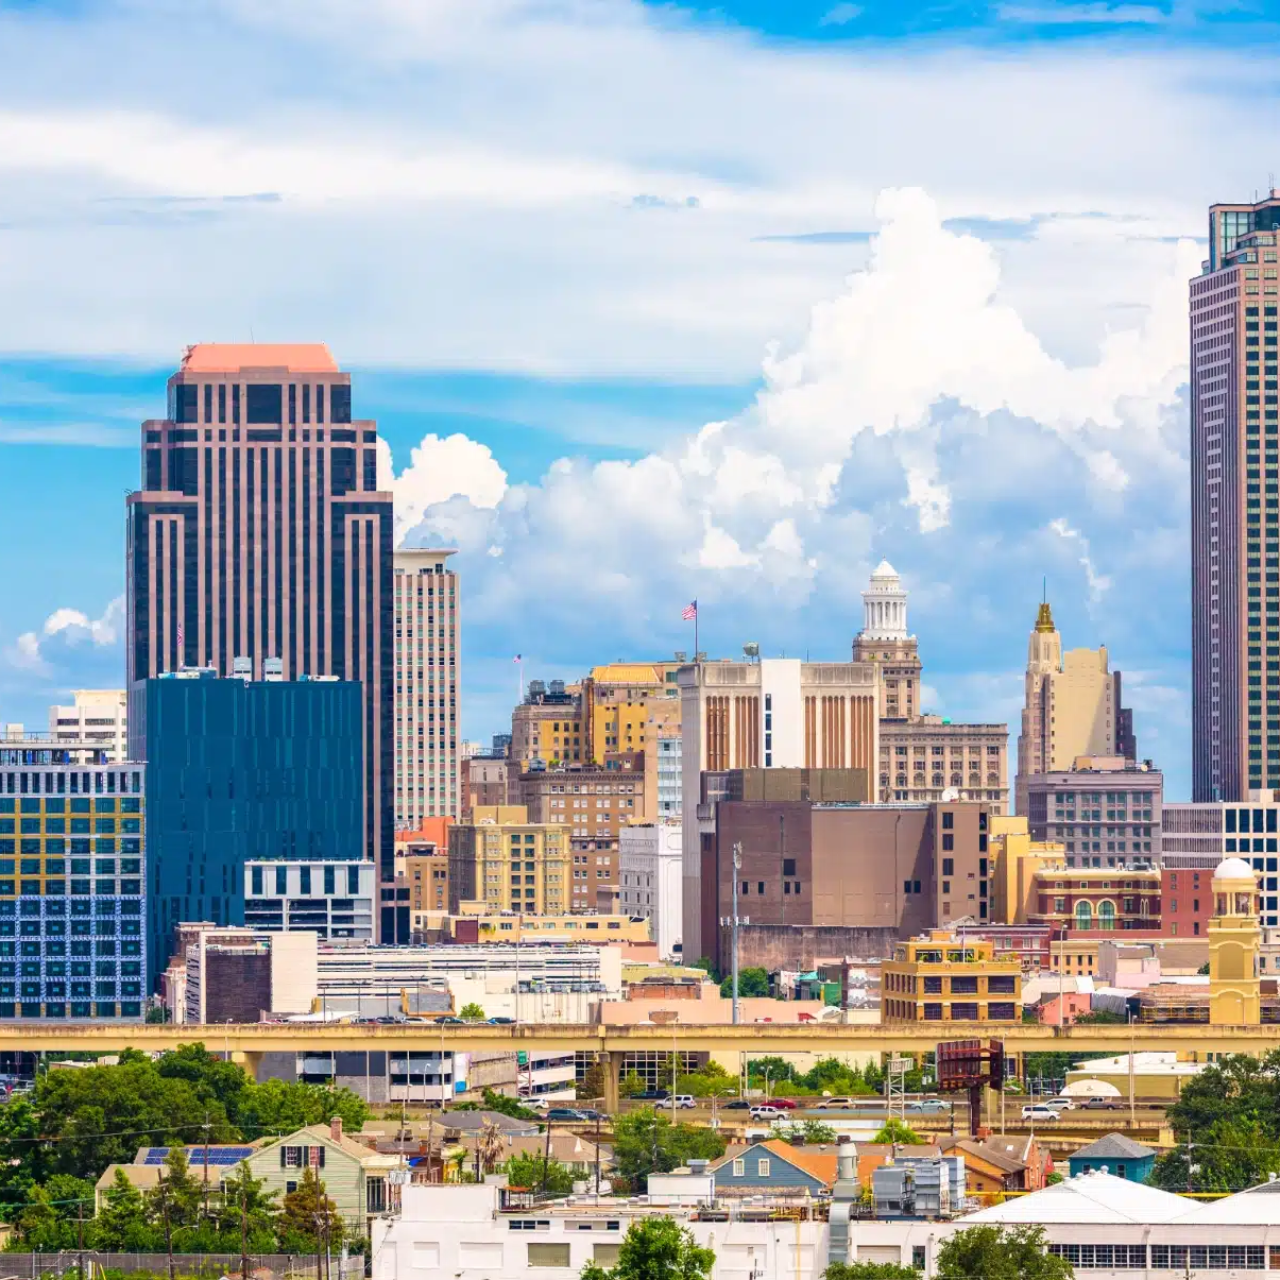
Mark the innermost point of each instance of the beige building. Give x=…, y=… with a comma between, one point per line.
x=884, y=642
x=576, y=929
x=501, y=861
x=549, y=726
x=96, y=718
x=428, y=669
x=1235, y=938
x=1071, y=708
x=627, y=705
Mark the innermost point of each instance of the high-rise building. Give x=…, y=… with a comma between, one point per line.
x=428, y=672
x=95, y=718
x=259, y=543
x=1071, y=707
x=72, y=883
x=885, y=642
x=244, y=774
x=501, y=861
x=1235, y=516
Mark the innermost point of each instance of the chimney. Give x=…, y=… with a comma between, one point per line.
x=335, y=1128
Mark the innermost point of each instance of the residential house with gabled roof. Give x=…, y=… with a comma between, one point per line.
x=775, y=1167
x=1116, y=1154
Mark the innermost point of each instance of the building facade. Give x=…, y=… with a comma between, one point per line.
x=921, y=759
x=626, y=705
x=1072, y=707
x=945, y=977
x=428, y=674
x=242, y=773
x=1105, y=812
x=95, y=718
x=549, y=726
x=259, y=536
x=484, y=782
x=501, y=861
x=72, y=884
x=330, y=899
x=885, y=643
x=1235, y=514
x=650, y=863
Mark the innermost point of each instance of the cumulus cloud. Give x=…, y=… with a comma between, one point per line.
x=440, y=468
x=63, y=630
x=1098, y=582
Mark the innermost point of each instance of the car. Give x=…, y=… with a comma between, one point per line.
x=591, y=1114
x=566, y=1115
x=783, y=1104
x=1100, y=1104
x=685, y=1100
x=1060, y=1103
x=450, y=1022
x=765, y=1113
x=1038, y=1111
x=738, y=1104
x=535, y=1104
x=501, y=1022
x=652, y=1095
x=928, y=1106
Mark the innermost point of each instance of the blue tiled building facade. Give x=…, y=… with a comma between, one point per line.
x=72, y=860
x=240, y=771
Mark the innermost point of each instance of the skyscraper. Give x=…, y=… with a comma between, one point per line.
x=428, y=668
x=260, y=538
x=1235, y=512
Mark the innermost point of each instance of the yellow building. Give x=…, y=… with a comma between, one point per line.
x=627, y=704
x=1015, y=861
x=945, y=977
x=1235, y=936
x=561, y=928
x=500, y=861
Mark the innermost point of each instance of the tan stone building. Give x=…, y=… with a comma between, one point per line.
x=884, y=642
x=1072, y=708
x=549, y=725
x=501, y=861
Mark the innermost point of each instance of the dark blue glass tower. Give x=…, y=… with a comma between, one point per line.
x=237, y=771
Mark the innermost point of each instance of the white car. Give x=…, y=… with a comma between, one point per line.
x=766, y=1113
x=685, y=1100
x=1060, y=1103
x=1039, y=1111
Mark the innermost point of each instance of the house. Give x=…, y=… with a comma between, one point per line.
x=775, y=1167
x=576, y=1153
x=1115, y=1154
x=990, y=1167
x=355, y=1178
x=209, y=1164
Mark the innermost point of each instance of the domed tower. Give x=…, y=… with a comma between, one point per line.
x=885, y=641
x=1234, y=938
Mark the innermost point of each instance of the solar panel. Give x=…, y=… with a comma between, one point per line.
x=223, y=1156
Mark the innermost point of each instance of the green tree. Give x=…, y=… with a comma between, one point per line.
x=645, y=1141
x=592, y=1084
x=997, y=1253
x=630, y=1085
x=157, y=1013
x=245, y=1199
x=178, y=1193
x=897, y=1131
x=751, y=982
x=531, y=1171
x=656, y=1249
x=773, y=1068
x=309, y=1216
x=869, y=1271
x=122, y=1226
x=49, y=1221
x=471, y=1012
x=277, y=1107
x=507, y=1106
x=708, y=966
x=25, y=1162
x=211, y=1078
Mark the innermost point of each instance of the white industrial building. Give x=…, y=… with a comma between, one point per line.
x=96, y=718
x=650, y=861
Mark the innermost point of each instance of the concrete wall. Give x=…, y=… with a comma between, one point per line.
x=804, y=946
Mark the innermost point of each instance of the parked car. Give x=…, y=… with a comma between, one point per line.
x=501, y=1022
x=535, y=1104
x=1101, y=1104
x=928, y=1106
x=1060, y=1103
x=1038, y=1111
x=591, y=1114
x=567, y=1115
x=685, y=1100
x=450, y=1022
x=765, y=1113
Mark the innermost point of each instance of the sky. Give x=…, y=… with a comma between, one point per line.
x=652, y=302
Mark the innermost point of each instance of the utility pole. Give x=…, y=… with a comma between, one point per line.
x=205, y=1126
x=546, y=1161
x=168, y=1232
x=733, y=922
x=597, y=1150
x=80, y=1234
x=244, y=1224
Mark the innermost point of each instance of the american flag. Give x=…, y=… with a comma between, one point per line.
x=517, y=658
x=689, y=612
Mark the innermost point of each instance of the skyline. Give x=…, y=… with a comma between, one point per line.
x=998, y=398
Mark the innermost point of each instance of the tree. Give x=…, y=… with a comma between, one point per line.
x=592, y=1084
x=49, y=1221
x=656, y=1249
x=309, y=1217
x=211, y=1077
x=897, y=1131
x=275, y=1107
x=869, y=1271
x=177, y=1194
x=994, y=1253
x=708, y=966
x=530, y=1171
x=247, y=1204
x=630, y=1085
x=507, y=1106
x=751, y=982
x=646, y=1142
x=122, y=1226
x=471, y=1012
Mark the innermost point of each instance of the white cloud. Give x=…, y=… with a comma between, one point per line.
x=1062, y=14
x=440, y=468
x=63, y=630
x=840, y=14
x=1099, y=583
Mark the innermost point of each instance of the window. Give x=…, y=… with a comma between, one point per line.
x=548, y=1255
x=1084, y=915
x=762, y=1167
x=739, y=1168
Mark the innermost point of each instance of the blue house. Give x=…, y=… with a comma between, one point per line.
x=1118, y=1155
x=775, y=1167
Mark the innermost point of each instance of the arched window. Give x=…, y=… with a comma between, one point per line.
x=1106, y=914
x=1084, y=915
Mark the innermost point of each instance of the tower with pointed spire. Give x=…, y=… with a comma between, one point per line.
x=885, y=641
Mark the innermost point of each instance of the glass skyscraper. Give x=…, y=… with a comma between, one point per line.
x=72, y=861
x=241, y=772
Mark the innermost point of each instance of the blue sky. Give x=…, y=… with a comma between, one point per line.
x=651, y=301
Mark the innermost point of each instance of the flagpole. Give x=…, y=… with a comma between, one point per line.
x=695, y=631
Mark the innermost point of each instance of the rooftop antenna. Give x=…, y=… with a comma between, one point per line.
x=1044, y=589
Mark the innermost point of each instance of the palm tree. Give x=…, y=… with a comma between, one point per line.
x=489, y=1144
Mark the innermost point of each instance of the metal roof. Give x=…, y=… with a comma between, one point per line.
x=1088, y=1198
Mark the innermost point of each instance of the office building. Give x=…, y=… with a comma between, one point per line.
x=72, y=883
x=428, y=674
x=242, y=773
x=484, y=782
x=95, y=718
x=502, y=861
x=1235, y=516
x=1072, y=707
x=628, y=705
x=427, y=877
x=259, y=538
x=1104, y=811
x=925, y=758
x=775, y=713
x=1123, y=897
x=593, y=804
x=650, y=862
x=549, y=726
x=238, y=974
x=946, y=977
x=331, y=899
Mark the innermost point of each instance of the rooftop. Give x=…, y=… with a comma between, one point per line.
x=1088, y=1199
x=1115, y=1146
x=234, y=357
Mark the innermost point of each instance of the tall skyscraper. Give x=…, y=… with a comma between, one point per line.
x=1235, y=513
x=428, y=669
x=1071, y=707
x=260, y=539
